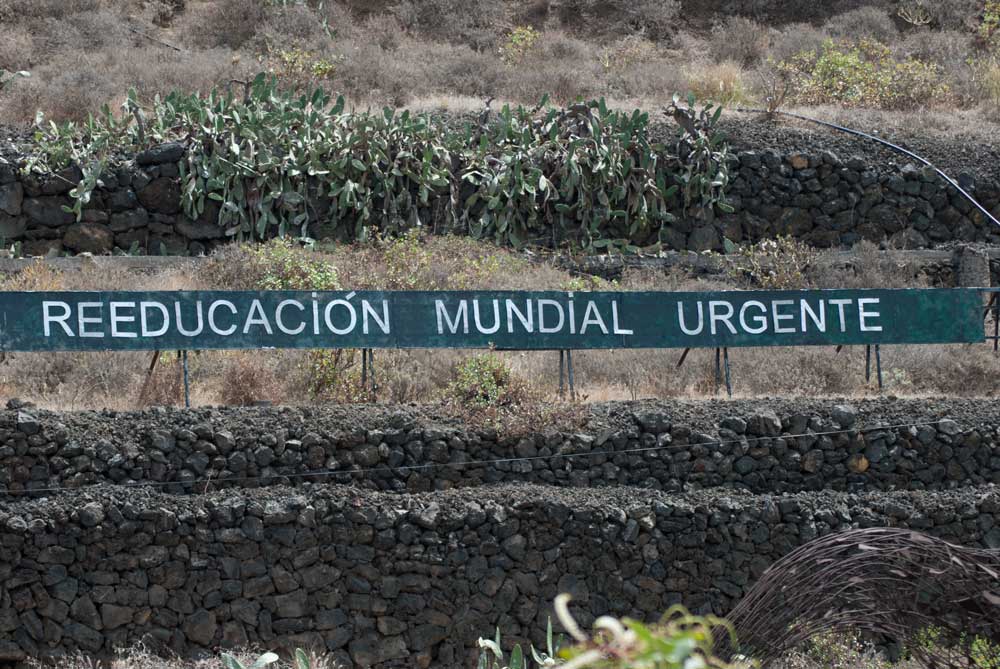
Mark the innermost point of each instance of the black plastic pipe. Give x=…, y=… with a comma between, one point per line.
x=892, y=146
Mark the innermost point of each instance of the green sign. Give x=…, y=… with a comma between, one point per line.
x=119, y=321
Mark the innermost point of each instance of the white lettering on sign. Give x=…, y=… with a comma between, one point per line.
x=496, y=318
x=714, y=316
x=180, y=320
x=614, y=319
x=368, y=310
x=213, y=326
x=117, y=319
x=550, y=329
x=817, y=317
x=863, y=315
x=281, y=323
x=592, y=316
x=701, y=319
x=760, y=319
x=549, y=316
x=48, y=318
x=85, y=320
x=526, y=317
x=777, y=317
x=144, y=308
x=257, y=315
x=352, y=315
x=840, y=304
x=461, y=317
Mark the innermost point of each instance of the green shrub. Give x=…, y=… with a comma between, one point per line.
x=519, y=41
x=484, y=381
x=864, y=74
x=679, y=641
x=781, y=263
x=283, y=266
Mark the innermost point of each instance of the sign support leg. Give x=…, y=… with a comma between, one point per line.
x=878, y=365
x=149, y=377
x=868, y=363
x=569, y=369
x=729, y=384
x=371, y=369
x=187, y=390
x=364, y=368
x=562, y=366
x=718, y=369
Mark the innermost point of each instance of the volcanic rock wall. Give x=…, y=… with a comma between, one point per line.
x=395, y=577
x=827, y=447
x=374, y=577
x=816, y=197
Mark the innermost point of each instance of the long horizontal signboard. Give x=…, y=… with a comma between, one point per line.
x=194, y=320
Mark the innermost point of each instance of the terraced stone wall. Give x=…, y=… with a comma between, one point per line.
x=752, y=446
x=447, y=549
x=414, y=579
x=817, y=197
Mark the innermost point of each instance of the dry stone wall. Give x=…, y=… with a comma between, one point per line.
x=403, y=580
x=829, y=446
x=816, y=197
x=120, y=528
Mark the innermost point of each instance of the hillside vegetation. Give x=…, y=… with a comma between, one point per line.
x=882, y=54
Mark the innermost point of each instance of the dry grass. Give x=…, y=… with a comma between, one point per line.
x=85, y=53
x=115, y=380
x=141, y=658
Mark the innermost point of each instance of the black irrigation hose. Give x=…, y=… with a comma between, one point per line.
x=892, y=146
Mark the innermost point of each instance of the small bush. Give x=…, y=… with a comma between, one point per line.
x=794, y=39
x=774, y=264
x=740, y=40
x=561, y=66
x=723, y=83
x=865, y=75
x=230, y=23
x=627, y=52
x=863, y=23
x=989, y=26
x=39, y=275
x=654, y=19
x=518, y=42
x=16, y=49
x=276, y=265
x=653, y=80
x=951, y=14
x=383, y=30
x=987, y=74
x=485, y=381
x=948, y=49
x=477, y=23
x=247, y=380
x=302, y=70
x=166, y=385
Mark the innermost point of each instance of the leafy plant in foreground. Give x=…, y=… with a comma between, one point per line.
x=491, y=655
x=679, y=641
x=231, y=662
